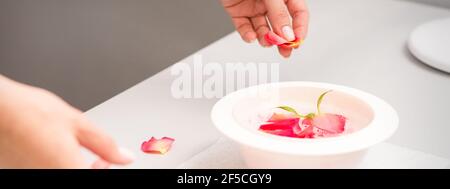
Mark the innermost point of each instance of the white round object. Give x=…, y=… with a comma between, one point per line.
x=430, y=43
x=374, y=119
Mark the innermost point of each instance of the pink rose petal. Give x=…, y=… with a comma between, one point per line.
x=307, y=132
x=330, y=123
x=157, y=146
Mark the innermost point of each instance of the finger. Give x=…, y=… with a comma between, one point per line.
x=245, y=28
x=42, y=148
x=300, y=17
x=99, y=143
x=261, y=28
x=285, y=52
x=279, y=18
x=100, y=164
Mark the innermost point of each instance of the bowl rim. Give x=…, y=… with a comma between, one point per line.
x=383, y=125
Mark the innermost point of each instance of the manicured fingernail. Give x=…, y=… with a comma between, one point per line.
x=288, y=33
x=127, y=154
x=263, y=43
x=250, y=37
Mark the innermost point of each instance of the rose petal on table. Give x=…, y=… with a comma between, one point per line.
x=157, y=146
x=331, y=123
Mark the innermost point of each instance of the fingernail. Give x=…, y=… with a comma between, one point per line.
x=288, y=33
x=250, y=37
x=263, y=43
x=127, y=154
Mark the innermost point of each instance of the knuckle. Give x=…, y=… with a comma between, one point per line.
x=282, y=15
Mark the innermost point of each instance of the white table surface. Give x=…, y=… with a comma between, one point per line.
x=357, y=43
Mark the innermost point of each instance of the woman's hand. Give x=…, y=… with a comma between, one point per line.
x=254, y=18
x=39, y=130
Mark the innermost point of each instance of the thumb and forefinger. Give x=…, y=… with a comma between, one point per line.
x=289, y=19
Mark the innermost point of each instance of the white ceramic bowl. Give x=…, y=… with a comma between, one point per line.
x=236, y=117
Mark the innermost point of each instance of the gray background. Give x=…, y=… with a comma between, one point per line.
x=90, y=50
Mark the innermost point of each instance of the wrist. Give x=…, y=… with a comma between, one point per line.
x=7, y=86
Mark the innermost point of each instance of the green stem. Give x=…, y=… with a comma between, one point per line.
x=319, y=101
x=292, y=110
x=310, y=115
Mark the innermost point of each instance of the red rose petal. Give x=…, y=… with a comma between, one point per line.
x=291, y=44
x=307, y=132
x=157, y=146
x=324, y=125
x=297, y=129
x=280, y=124
x=331, y=123
x=274, y=39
